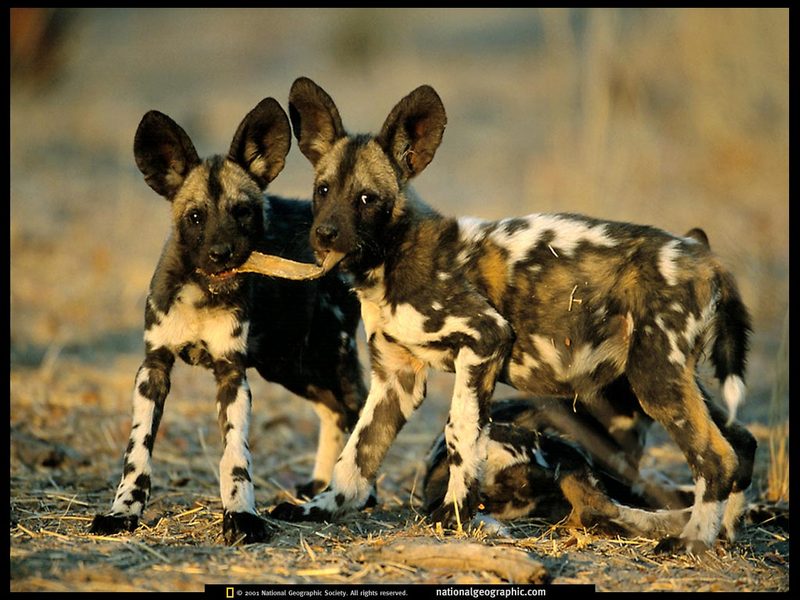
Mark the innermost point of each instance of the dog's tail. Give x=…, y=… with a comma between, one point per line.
x=731, y=333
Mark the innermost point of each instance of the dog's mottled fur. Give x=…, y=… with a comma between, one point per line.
x=298, y=334
x=552, y=304
x=548, y=460
x=545, y=460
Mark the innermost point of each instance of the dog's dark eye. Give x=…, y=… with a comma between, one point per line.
x=195, y=217
x=241, y=211
x=322, y=190
x=367, y=199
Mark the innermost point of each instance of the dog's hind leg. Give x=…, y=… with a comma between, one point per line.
x=333, y=427
x=744, y=444
x=149, y=393
x=592, y=506
x=674, y=400
x=397, y=389
x=240, y=521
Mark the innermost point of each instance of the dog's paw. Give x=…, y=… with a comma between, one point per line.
x=108, y=524
x=677, y=545
x=310, y=489
x=446, y=513
x=286, y=511
x=372, y=499
x=245, y=527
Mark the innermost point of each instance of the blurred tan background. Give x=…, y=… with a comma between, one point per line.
x=675, y=118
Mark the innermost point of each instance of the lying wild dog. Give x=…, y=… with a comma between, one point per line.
x=552, y=304
x=298, y=334
x=548, y=460
x=534, y=469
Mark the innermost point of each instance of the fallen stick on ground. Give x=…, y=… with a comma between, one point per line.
x=512, y=564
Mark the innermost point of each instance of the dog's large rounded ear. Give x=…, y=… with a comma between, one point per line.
x=164, y=153
x=698, y=235
x=413, y=130
x=262, y=141
x=315, y=119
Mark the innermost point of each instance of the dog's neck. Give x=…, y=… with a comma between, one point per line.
x=408, y=253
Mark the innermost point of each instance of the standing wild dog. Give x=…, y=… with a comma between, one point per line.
x=298, y=334
x=553, y=304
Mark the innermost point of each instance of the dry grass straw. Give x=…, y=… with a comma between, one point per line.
x=778, y=472
x=179, y=542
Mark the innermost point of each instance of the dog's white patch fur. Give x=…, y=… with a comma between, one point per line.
x=237, y=455
x=675, y=354
x=185, y=323
x=667, y=258
x=143, y=411
x=733, y=392
x=706, y=519
x=568, y=234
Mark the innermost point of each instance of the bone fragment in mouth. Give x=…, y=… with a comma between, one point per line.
x=275, y=266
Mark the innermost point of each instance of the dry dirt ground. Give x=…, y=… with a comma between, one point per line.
x=674, y=118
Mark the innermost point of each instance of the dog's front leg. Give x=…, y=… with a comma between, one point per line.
x=234, y=403
x=397, y=388
x=149, y=393
x=477, y=367
x=467, y=436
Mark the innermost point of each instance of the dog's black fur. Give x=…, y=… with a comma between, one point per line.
x=298, y=334
x=558, y=304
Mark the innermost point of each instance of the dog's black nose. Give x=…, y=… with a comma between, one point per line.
x=220, y=253
x=326, y=234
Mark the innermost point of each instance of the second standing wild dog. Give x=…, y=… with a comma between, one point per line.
x=553, y=304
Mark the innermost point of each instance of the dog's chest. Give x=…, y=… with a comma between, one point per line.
x=428, y=335
x=191, y=326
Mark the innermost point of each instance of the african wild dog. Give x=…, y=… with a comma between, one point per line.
x=549, y=460
x=298, y=334
x=534, y=469
x=553, y=304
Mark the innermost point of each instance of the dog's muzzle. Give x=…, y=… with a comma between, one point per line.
x=221, y=281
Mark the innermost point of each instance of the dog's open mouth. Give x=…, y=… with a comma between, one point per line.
x=276, y=266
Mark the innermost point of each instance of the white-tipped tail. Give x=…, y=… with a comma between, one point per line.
x=733, y=391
